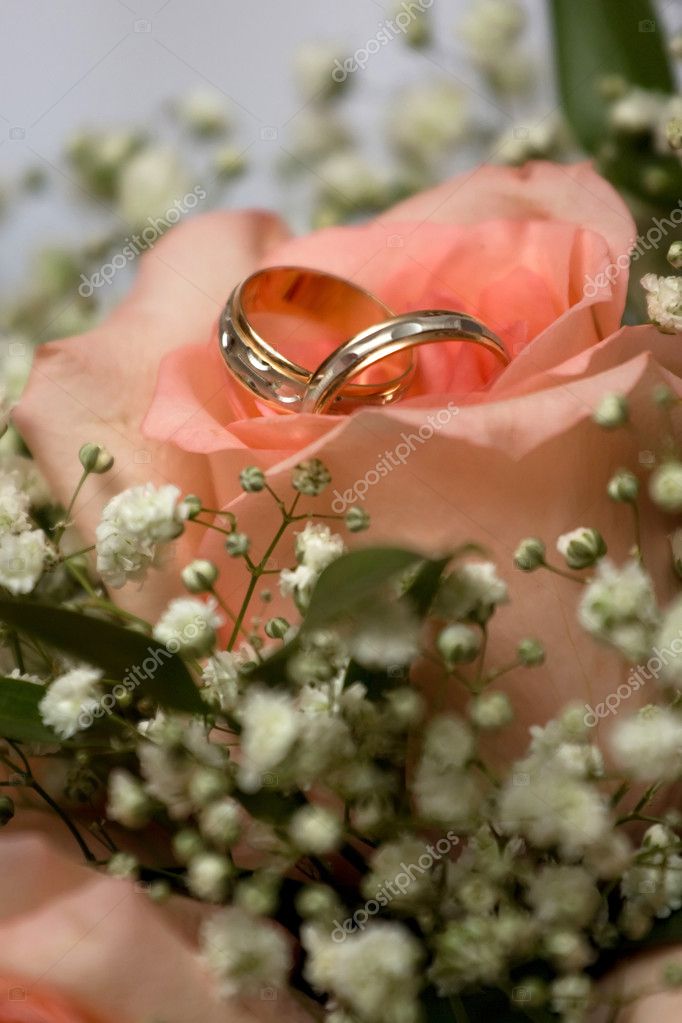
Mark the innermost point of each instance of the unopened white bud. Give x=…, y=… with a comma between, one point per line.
x=199, y=576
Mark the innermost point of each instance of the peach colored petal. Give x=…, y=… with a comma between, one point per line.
x=642, y=973
x=103, y=943
x=97, y=387
x=574, y=193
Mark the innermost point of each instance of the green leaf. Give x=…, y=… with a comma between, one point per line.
x=19, y=715
x=353, y=579
x=150, y=669
x=597, y=38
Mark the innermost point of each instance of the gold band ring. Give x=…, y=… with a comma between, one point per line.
x=290, y=309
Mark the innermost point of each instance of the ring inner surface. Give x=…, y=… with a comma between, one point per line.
x=304, y=315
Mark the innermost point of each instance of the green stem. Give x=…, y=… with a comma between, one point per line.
x=61, y=528
x=564, y=574
x=287, y=518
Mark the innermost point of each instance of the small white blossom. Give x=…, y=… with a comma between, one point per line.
x=669, y=644
x=637, y=111
x=564, y=895
x=188, y=625
x=270, y=726
x=619, y=608
x=549, y=808
x=128, y=804
x=664, y=302
x=150, y=184
x=220, y=821
x=429, y=121
x=649, y=745
x=472, y=592
x=14, y=505
x=70, y=699
x=571, y=996
x=22, y=559
x=220, y=676
x=654, y=884
x=134, y=524
x=298, y=582
x=386, y=635
x=315, y=830
x=317, y=546
x=207, y=876
x=373, y=973
x=245, y=953
x=665, y=486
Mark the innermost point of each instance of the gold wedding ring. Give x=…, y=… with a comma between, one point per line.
x=364, y=354
x=277, y=315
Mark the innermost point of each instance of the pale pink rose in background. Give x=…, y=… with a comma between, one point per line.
x=87, y=948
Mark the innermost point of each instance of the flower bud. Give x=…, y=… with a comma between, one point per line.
x=581, y=547
x=252, y=479
x=199, y=576
x=191, y=506
x=356, y=520
x=491, y=710
x=458, y=644
x=530, y=554
x=186, y=844
x=676, y=546
x=311, y=477
x=95, y=458
x=624, y=486
x=530, y=652
x=612, y=411
x=313, y=829
x=277, y=628
x=6, y=810
x=675, y=255
x=237, y=545
x=673, y=133
x=316, y=901
x=665, y=486
x=159, y=892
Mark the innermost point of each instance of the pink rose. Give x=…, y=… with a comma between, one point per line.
x=512, y=452
x=78, y=947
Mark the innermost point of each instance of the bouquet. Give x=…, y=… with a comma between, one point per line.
x=375, y=717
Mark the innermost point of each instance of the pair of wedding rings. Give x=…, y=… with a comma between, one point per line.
x=364, y=353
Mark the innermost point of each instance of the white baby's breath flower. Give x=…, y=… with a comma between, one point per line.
x=220, y=676
x=429, y=121
x=472, y=592
x=639, y=110
x=133, y=525
x=207, y=876
x=619, y=608
x=373, y=973
x=128, y=803
x=549, y=808
x=14, y=505
x=151, y=182
x=669, y=644
x=317, y=546
x=220, y=821
x=22, y=559
x=315, y=830
x=270, y=726
x=70, y=699
x=649, y=745
x=299, y=583
x=491, y=26
x=665, y=486
x=664, y=302
x=654, y=883
x=314, y=64
x=564, y=895
x=386, y=635
x=245, y=953
x=189, y=625
x=204, y=111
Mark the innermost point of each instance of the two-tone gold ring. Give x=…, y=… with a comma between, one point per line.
x=362, y=352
